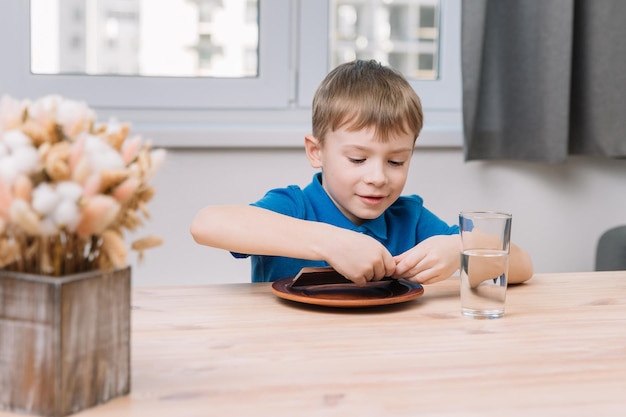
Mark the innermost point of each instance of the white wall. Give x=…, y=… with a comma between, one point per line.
x=559, y=211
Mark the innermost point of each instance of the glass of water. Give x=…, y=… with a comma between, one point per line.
x=485, y=237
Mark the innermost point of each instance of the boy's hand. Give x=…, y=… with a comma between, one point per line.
x=431, y=260
x=358, y=257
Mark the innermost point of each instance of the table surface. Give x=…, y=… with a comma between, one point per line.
x=238, y=350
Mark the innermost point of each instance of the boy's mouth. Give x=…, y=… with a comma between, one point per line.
x=371, y=199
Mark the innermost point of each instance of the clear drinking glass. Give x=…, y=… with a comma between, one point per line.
x=485, y=237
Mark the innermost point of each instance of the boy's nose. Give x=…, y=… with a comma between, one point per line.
x=376, y=175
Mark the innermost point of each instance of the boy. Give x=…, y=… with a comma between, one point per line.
x=366, y=118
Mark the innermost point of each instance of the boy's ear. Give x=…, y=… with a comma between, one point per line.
x=313, y=149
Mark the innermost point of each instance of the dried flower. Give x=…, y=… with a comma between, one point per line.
x=22, y=215
x=97, y=215
x=148, y=242
x=69, y=187
x=23, y=188
x=115, y=248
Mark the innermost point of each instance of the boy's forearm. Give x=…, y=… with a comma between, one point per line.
x=520, y=265
x=256, y=231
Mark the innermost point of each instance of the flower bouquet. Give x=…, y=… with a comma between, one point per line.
x=70, y=187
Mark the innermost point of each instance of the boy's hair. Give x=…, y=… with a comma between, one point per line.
x=362, y=94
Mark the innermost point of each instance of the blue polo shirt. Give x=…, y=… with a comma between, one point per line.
x=399, y=228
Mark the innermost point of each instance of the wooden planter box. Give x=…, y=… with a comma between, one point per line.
x=64, y=341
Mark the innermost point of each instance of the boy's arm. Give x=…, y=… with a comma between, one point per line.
x=256, y=231
x=520, y=265
x=438, y=257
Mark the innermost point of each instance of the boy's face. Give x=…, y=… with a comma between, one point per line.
x=361, y=174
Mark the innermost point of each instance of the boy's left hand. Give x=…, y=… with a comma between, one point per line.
x=431, y=260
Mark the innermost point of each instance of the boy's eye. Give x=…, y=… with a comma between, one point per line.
x=357, y=160
x=396, y=163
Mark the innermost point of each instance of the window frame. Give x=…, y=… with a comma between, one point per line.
x=267, y=90
x=441, y=94
x=234, y=113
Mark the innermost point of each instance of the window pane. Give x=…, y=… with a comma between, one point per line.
x=181, y=38
x=403, y=34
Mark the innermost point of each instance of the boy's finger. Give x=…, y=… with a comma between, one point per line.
x=399, y=258
x=390, y=267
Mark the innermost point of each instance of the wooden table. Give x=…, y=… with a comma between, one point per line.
x=237, y=350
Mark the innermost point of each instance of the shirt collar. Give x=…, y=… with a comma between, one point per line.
x=328, y=212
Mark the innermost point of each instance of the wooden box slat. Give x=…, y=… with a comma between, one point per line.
x=64, y=342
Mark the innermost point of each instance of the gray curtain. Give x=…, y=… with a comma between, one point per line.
x=544, y=79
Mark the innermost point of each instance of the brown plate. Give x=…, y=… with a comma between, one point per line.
x=349, y=295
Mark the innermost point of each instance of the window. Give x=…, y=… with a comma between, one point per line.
x=404, y=35
x=441, y=97
x=265, y=90
x=284, y=48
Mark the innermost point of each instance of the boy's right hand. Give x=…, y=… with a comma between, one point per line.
x=358, y=257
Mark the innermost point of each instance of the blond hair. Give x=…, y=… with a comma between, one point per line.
x=362, y=94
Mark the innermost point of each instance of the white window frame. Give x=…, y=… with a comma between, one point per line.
x=268, y=90
x=272, y=110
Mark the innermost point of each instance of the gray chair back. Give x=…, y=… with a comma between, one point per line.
x=611, y=250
